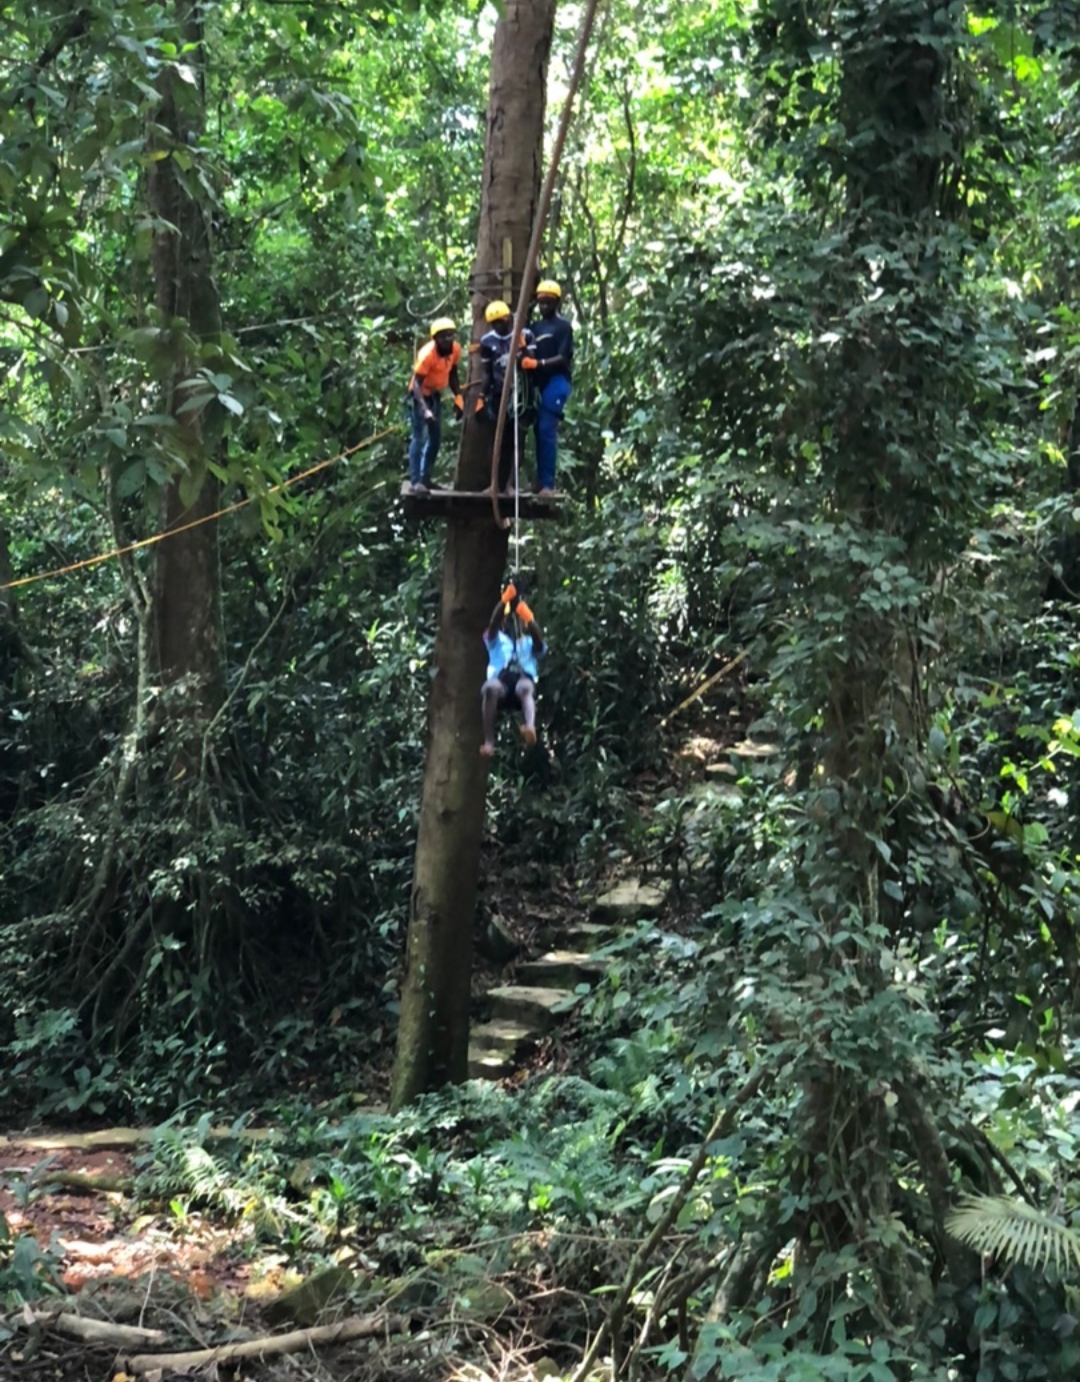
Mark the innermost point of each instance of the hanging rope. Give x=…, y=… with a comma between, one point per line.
x=206, y=518
x=525, y=294
x=517, y=473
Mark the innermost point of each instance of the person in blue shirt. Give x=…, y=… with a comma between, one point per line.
x=511, y=673
x=495, y=356
x=553, y=358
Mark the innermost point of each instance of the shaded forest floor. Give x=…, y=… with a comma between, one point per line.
x=204, y=1267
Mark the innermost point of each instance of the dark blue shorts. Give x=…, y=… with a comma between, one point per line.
x=510, y=676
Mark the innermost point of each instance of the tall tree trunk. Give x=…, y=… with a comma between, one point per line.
x=433, y=1034
x=882, y=482
x=186, y=582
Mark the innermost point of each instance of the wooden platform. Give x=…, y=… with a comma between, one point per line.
x=441, y=503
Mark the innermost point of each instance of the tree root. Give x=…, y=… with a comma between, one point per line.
x=960, y=1262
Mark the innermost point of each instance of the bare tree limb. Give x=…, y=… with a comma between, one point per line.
x=91, y=1331
x=357, y=1327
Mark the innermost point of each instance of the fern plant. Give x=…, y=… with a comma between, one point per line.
x=1002, y=1227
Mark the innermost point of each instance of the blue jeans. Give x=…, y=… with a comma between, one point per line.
x=426, y=436
x=551, y=403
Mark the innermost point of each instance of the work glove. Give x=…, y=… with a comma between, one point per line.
x=459, y=405
x=509, y=595
x=530, y=362
x=524, y=613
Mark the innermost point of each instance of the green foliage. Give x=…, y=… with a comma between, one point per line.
x=26, y=1272
x=1014, y=1231
x=821, y=262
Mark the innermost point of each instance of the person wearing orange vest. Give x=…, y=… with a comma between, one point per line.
x=436, y=367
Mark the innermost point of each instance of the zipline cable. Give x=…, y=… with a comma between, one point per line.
x=525, y=293
x=206, y=518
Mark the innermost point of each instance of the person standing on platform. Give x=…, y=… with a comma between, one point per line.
x=436, y=367
x=553, y=338
x=495, y=356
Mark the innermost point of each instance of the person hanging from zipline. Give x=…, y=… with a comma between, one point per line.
x=511, y=674
x=436, y=367
x=553, y=364
x=495, y=353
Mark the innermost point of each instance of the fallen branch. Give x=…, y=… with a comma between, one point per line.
x=710, y=681
x=79, y=1180
x=92, y=1331
x=722, y=1125
x=121, y=1139
x=358, y=1327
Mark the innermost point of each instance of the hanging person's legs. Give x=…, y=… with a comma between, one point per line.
x=504, y=693
x=494, y=693
x=525, y=691
x=552, y=404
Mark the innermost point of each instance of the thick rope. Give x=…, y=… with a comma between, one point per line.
x=206, y=518
x=528, y=272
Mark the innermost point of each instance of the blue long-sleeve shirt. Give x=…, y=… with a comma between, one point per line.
x=551, y=338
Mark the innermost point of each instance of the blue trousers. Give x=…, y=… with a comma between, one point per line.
x=551, y=404
x=426, y=437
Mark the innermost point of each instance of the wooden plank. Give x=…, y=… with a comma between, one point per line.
x=444, y=503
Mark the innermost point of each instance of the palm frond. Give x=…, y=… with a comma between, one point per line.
x=999, y=1226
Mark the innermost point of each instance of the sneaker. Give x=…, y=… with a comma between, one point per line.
x=420, y=488
x=545, y=493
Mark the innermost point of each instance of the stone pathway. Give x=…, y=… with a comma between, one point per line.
x=546, y=988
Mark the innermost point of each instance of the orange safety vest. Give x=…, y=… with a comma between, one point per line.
x=433, y=369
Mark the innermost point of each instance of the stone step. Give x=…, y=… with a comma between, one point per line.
x=490, y=1065
x=629, y=901
x=529, y=1005
x=499, y=1036
x=561, y=969
x=756, y=748
x=588, y=936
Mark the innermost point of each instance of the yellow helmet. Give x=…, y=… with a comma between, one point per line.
x=442, y=324
x=496, y=311
x=548, y=287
